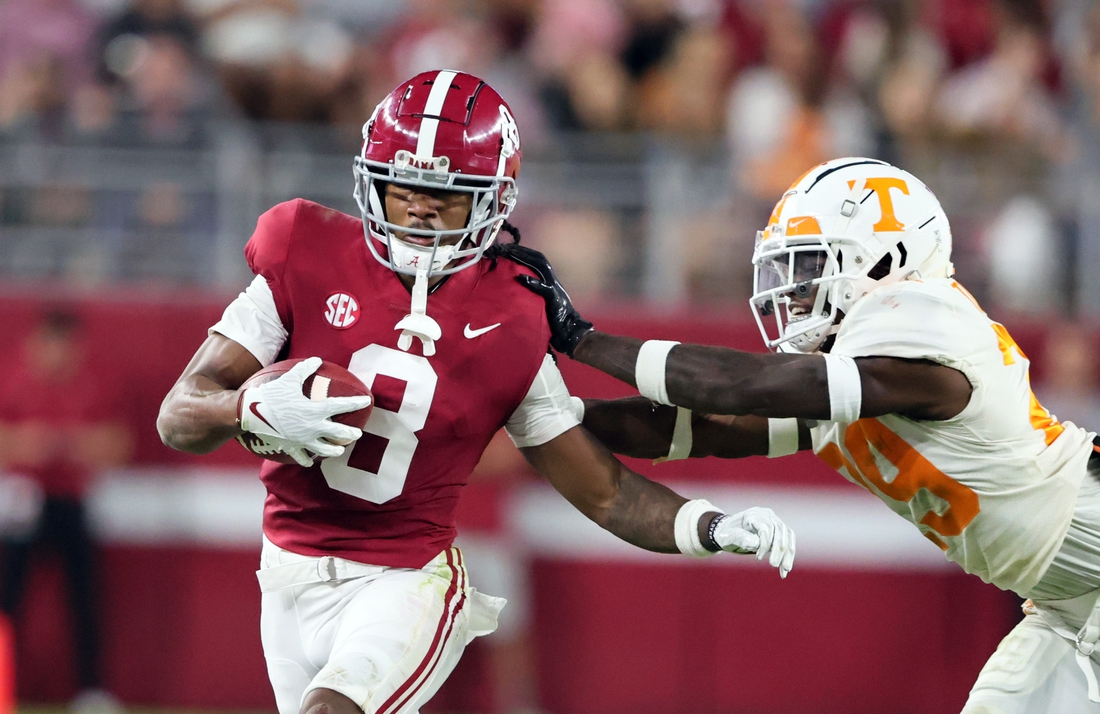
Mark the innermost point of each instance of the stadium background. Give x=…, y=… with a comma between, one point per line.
x=140, y=140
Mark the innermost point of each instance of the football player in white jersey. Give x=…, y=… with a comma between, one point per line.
x=890, y=371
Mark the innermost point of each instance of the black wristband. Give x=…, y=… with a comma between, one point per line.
x=710, y=544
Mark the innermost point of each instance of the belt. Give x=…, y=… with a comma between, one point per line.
x=1084, y=640
x=315, y=570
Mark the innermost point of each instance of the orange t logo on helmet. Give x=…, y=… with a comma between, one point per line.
x=881, y=186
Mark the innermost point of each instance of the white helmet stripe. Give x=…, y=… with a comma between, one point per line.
x=425, y=139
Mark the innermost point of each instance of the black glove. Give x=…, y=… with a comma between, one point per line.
x=567, y=327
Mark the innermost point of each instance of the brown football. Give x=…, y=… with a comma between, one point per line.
x=330, y=380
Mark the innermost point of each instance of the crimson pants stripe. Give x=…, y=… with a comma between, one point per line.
x=446, y=624
x=446, y=636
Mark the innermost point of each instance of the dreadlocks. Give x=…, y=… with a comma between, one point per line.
x=494, y=251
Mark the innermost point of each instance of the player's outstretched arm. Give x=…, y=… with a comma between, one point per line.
x=637, y=427
x=719, y=380
x=199, y=413
x=706, y=386
x=648, y=514
x=627, y=504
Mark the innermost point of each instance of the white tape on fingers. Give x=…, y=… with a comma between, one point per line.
x=845, y=388
x=649, y=370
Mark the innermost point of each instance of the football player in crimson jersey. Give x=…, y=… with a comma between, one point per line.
x=888, y=369
x=366, y=604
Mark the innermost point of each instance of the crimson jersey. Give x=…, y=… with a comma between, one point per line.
x=390, y=499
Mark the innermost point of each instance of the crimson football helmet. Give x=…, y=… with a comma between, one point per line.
x=442, y=130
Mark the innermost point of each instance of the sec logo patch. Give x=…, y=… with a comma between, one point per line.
x=341, y=310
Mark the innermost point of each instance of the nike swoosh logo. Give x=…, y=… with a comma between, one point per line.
x=252, y=408
x=471, y=334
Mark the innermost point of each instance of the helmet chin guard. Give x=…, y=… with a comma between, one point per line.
x=845, y=228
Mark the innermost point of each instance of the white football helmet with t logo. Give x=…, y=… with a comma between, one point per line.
x=844, y=228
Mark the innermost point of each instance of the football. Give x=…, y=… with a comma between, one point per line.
x=330, y=380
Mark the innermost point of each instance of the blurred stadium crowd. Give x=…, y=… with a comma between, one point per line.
x=139, y=140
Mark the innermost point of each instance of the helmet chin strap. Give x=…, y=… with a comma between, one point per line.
x=417, y=323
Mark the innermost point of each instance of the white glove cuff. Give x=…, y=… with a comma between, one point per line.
x=845, y=388
x=687, y=527
x=782, y=437
x=246, y=419
x=649, y=370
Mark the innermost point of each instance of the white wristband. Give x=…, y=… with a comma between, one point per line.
x=845, y=388
x=782, y=437
x=687, y=527
x=649, y=370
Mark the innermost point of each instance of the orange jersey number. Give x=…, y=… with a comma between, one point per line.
x=1041, y=419
x=914, y=473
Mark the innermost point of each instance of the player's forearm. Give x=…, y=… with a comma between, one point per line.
x=635, y=509
x=614, y=354
x=598, y=485
x=712, y=380
x=198, y=416
x=642, y=429
x=720, y=380
x=633, y=427
x=643, y=513
x=728, y=437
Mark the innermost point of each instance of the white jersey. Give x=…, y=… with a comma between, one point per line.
x=995, y=486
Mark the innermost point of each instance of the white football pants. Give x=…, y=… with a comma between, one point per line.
x=386, y=638
x=1036, y=668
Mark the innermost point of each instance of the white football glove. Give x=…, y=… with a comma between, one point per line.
x=282, y=414
x=758, y=530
